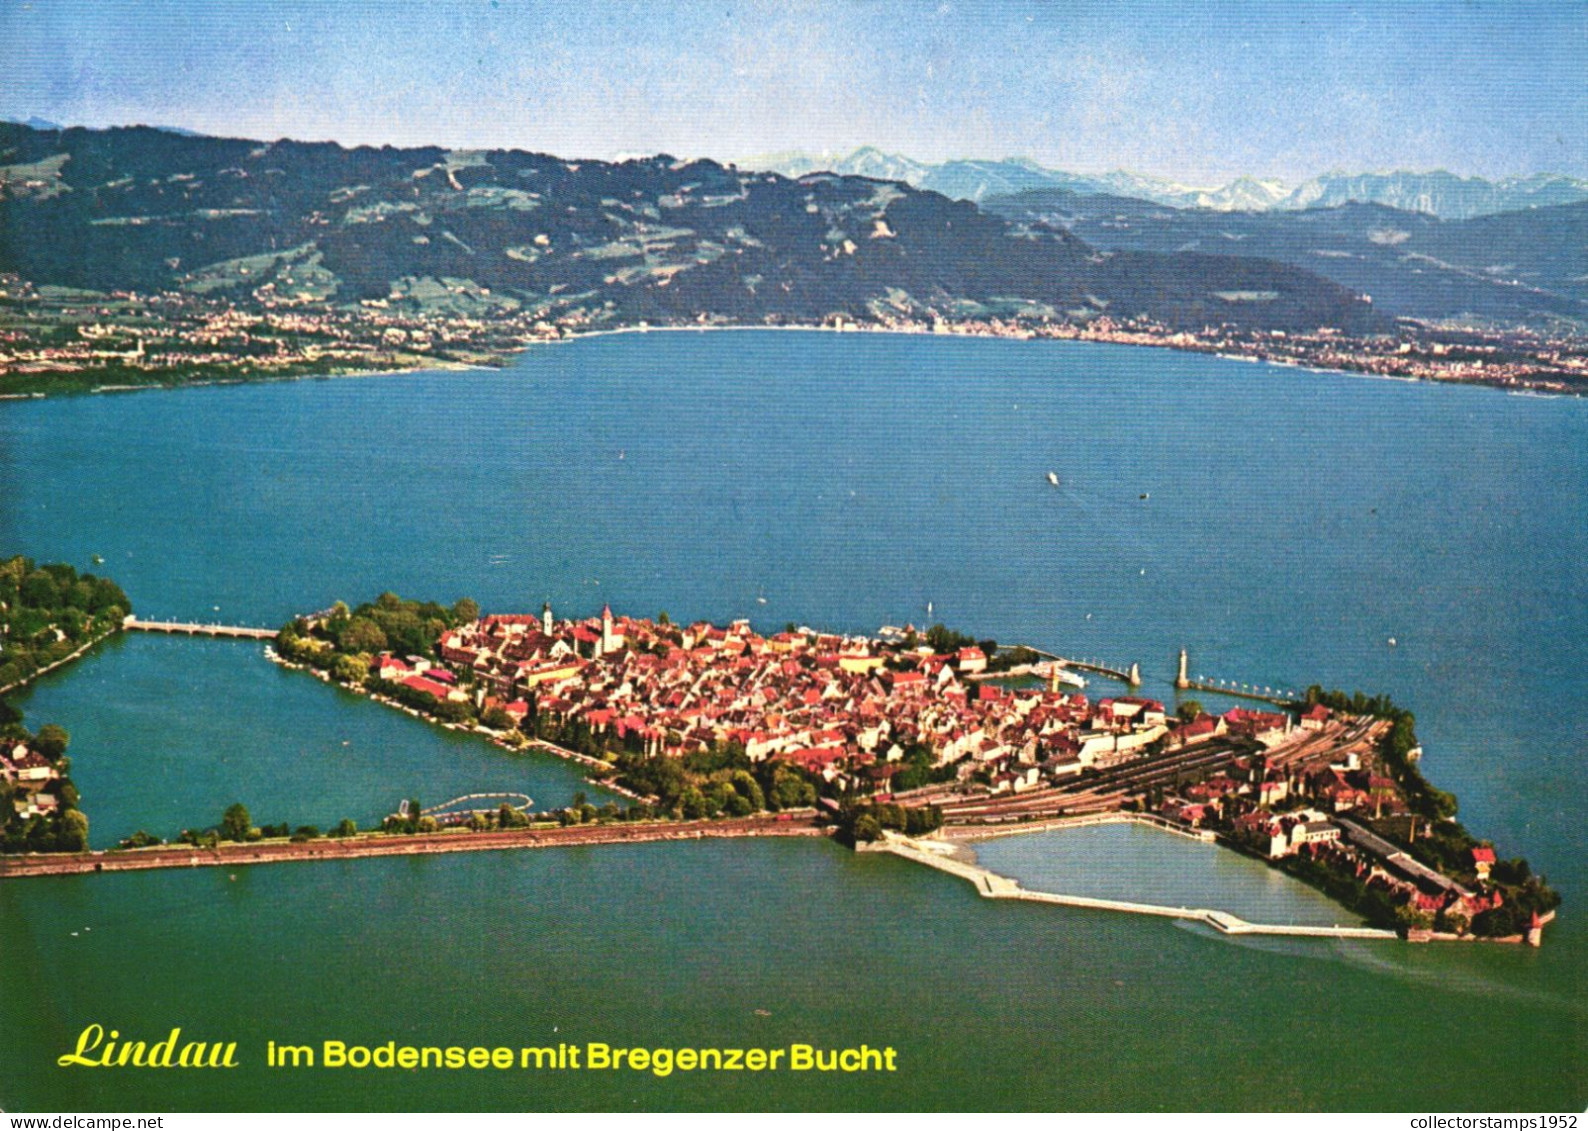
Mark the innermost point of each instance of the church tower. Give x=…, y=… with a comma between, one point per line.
x=545, y=618
x=606, y=630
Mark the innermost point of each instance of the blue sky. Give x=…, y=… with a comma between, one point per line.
x=1198, y=91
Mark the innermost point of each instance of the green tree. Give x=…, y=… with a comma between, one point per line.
x=867, y=829
x=347, y=827
x=748, y=788
x=51, y=741
x=497, y=719
x=692, y=804
x=236, y=822
x=40, y=590
x=362, y=635
x=350, y=670
x=791, y=791
x=1189, y=711
x=465, y=611
x=74, y=831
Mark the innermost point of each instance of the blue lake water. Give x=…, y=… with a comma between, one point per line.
x=1294, y=524
x=169, y=731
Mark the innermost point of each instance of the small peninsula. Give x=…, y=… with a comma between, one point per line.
x=49, y=616
x=721, y=730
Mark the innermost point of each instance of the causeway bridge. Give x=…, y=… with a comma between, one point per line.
x=241, y=632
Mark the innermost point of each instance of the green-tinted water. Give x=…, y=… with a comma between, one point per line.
x=989, y=1003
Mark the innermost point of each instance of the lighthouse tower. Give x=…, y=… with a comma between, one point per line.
x=1182, y=680
x=606, y=630
x=545, y=618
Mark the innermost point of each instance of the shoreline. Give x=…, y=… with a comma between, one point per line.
x=483, y=733
x=958, y=843
x=991, y=885
x=58, y=664
x=505, y=360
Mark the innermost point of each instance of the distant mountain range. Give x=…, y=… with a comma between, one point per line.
x=1506, y=269
x=489, y=233
x=1440, y=194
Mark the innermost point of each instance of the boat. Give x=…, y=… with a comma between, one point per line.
x=1053, y=478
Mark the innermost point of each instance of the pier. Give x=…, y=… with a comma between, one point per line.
x=241, y=632
x=1277, y=696
x=1243, y=691
x=1130, y=676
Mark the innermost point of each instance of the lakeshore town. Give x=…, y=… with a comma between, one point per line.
x=731, y=732
x=53, y=340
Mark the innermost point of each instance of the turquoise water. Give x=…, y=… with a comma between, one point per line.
x=1295, y=523
x=1139, y=864
x=169, y=731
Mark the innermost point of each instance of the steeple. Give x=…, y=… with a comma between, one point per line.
x=545, y=618
x=606, y=629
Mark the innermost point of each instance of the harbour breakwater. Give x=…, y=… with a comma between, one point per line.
x=1109, y=817
x=416, y=844
x=989, y=885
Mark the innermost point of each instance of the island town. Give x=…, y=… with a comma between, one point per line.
x=723, y=730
